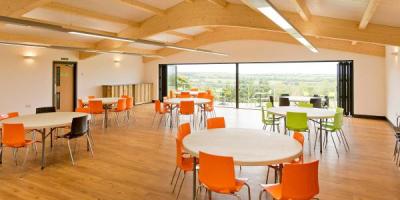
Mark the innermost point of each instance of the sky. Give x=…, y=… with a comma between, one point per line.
x=269, y=68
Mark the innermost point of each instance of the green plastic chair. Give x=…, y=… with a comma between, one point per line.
x=305, y=105
x=335, y=127
x=268, y=118
x=296, y=121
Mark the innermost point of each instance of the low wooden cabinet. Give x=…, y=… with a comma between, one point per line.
x=141, y=92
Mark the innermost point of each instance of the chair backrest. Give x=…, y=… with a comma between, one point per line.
x=217, y=172
x=296, y=120
x=45, y=110
x=157, y=106
x=209, y=92
x=299, y=137
x=284, y=95
x=91, y=97
x=284, y=101
x=305, y=105
x=13, y=135
x=129, y=102
x=338, y=120
x=326, y=103
x=194, y=89
x=79, y=125
x=13, y=114
x=185, y=95
x=316, y=95
x=121, y=105
x=95, y=106
x=300, y=181
x=183, y=131
x=80, y=103
x=124, y=96
x=316, y=102
x=339, y=110
x=186, y=107
x=3, y=116
x=216, y=122
x=171, y=94
x=179, y=151
x=202, y=95
x=271, y=99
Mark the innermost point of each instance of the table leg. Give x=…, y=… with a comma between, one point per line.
x=280, y=168
x=170, y=116
x=1, y=147
x=43, y=148
x=194, y=177
x=320, y=136
x=273, y=123
x=284, y=122
x=205, y=115
x=106, y=117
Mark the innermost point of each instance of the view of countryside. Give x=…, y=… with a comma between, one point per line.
x=257, y=81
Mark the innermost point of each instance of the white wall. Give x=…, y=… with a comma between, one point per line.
x=369, y=77
x=392, y=83
x=27, y=83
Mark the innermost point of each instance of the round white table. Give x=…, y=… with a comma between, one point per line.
x=312, y=113
x=107, y=104
x=197, y=101
x=41, y=122
x=248, y=147
x=297, y=99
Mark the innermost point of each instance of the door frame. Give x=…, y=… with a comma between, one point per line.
x=75, y=73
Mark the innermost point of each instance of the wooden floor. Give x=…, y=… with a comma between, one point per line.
x=136, y=161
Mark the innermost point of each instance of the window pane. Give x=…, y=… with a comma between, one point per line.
x=258, y=81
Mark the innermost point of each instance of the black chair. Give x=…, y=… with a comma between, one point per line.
x=284, y=101
x=316, y=95
x=326, y=102
x=284, y=95
x=45, y=110
x=316, y=102
x=271, y=99
x=79, y=128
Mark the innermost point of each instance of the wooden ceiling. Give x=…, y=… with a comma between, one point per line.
x=347, y=25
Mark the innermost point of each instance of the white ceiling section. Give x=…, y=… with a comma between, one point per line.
x=110, y=7
x=145, y=46
x=195, y=30
x=76, y=20
x=162, y=4
x=21, y=30
x=388, y=13
x=164, y=37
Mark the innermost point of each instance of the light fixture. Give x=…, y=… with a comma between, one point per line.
x=101, y=36
x=267, y=9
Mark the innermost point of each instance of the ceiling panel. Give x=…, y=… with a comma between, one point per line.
x=32, y=31
x=387, y=13
x=145, y=46
x=109, y=7
x=195, y=30
x=164, y=37
x=162, y=4
x=70, y=19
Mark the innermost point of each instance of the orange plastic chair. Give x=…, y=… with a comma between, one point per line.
x=194, y=89
x=299, y=181
x=298, y=137
x=202, y=95
x=216, y=122
x=129, y=107
x=121, y=108
x=96, y=108
x=171, y=94
x=184, y=164
x=3, y=116
x=217, y=174
x=13, y=114
x=183, y=131
x=91, y=97
x=159, y=110
x=14, y=137
x=209, y=107
x=184, y=95
x=187, y=108
x=209, y=92
x=81, y=108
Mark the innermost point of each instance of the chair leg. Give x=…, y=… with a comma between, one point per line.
x=154, y=117
x=345, y=139
x=177, y=178
x=26, y=155
x=180, y=187
x=15, y=151
x=173, y=176
x=334, y=144
x=309, y=141
x=70, y=152
x=266, y=181
x=316, y=139
x=261, y=194
x=90, y=144
x=248, y=190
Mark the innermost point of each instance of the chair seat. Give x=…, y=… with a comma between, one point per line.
x=70, y=136
x=300, y=129
x=187, y=164
x=275, y=190
x=27, y=142
x=83, y=110
x=238, y=185
x=270, y=121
